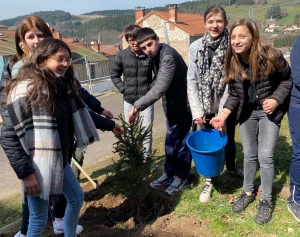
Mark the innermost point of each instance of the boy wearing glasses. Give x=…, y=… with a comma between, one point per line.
x=136, y=69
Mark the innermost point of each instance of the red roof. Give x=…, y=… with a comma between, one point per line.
x=191, y=23
x=107, y=49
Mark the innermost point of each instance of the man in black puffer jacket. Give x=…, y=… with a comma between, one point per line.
x=170, y=85
x=136, y=68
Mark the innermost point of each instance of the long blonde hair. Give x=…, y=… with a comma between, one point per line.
x=262, y=58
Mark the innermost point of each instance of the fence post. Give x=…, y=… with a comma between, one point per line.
x=88, y=73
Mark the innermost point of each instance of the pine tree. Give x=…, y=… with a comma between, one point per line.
x=131, y=172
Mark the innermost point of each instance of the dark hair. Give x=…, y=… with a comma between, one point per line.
x=259, y=52
x=30, y=23
x=40, y=90
x=144, y=34
x=131, y=31
x=213, y=10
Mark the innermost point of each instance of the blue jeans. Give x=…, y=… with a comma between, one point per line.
x=293, y=116
x=259, y=135
x=38, y=208
x=178, y=156
x=147, y=116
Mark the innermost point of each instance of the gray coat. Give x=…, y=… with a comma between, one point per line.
x=170, y=85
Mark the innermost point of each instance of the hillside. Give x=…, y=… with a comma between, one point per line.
x=89, y=25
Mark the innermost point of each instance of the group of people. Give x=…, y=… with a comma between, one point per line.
x=45, y=113
x=232, y=77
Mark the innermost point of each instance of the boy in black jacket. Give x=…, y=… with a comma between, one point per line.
x=136, y=68
x=170, y=85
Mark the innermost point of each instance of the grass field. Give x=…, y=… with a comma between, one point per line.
x=220, y=219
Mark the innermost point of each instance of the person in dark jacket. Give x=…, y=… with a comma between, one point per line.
x=170, y=85
x=259, y=84
x=293, y=115
x=136, y=68
x=54, y=115
x=29, y=33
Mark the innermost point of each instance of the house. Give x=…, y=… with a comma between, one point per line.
x=292, y=28
x=178, y=30
x=271, y=30
x=3, y=27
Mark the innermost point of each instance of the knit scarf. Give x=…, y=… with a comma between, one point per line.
x=84, y=127
x=38, y=133
x=211, y=76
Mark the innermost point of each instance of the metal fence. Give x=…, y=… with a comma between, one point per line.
x=92, y=72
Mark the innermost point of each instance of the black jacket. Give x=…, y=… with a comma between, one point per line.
x=136, y=71
x=170, y=85
x=18, y=158
x=276, y=86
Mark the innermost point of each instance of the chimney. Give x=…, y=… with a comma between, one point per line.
x=173, y=12
x=57, y=35
x=52, y=29
x=139, y=13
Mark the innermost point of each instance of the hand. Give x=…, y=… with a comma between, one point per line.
x=269, y=105
x=131, y=115
x=200, y=120
x=117, y=130
x=30, y=184
x=107, y=114
x=218, y=123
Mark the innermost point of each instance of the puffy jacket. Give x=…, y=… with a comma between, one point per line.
x=170, y=84
x=18, y=158
x=276, y=86
x=137, y=74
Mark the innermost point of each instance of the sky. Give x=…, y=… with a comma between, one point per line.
x=14, y=8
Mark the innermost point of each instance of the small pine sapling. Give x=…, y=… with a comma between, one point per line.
x=131, y=170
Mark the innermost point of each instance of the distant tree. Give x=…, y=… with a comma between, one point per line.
x=286, y=41
x=297, y=19
x=274, y=12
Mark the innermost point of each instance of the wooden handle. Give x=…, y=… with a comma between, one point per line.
x=85, y=174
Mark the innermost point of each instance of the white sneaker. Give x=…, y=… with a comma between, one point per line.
x=59, y=227
x=18, y=234
x=206, y=192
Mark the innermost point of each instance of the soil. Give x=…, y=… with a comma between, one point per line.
x=106, y=215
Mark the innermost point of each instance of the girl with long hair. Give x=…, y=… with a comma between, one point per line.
x=259, y=85
x=29, y=33
x=47, y=112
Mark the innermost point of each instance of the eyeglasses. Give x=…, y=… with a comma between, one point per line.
x=132, y=41
x=63, y=60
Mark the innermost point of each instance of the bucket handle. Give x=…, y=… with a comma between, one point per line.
x=194, y=128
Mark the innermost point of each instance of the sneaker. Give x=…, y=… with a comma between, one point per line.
x=242, y=202
x=161, y=182
x=18, y=234
x=265, y=210
x=177, y=185
x=295, y=210
x=59, y=227
x=236, y=172
x=205, y=193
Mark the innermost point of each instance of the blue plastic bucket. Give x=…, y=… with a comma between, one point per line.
x=207, y=147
